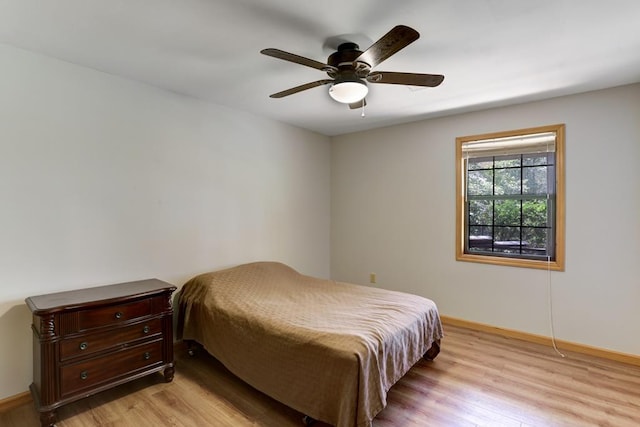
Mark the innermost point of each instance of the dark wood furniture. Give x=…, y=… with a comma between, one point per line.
x=89, y=340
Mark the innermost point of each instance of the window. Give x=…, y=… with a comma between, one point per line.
x=510, y=198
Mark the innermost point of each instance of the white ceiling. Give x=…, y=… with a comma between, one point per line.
x=492, y=52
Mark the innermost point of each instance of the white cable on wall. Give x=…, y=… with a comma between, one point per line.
x=549, y=288
x=553, y=334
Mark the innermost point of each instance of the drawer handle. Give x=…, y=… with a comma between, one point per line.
x=147, y=355
x=84, y=345
x=146, y=329
x=84, y=375
x=118, y=315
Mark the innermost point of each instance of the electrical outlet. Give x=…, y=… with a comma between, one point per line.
x=372, y=278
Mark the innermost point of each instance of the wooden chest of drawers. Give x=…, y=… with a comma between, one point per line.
x=89, y=340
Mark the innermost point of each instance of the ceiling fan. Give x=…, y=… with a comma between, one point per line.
x=349, y=68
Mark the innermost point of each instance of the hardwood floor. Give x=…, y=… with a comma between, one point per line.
x=479, y=379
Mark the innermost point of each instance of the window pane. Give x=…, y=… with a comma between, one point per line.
x=507, y=240
x=509, y=235
x=480, y=163
x=507, y=181
x=535, y=180
x=480, y=183
x=481, y=231
x=507, y=212
x=508, y=162
x=537, y=240
x=480, y=212
x=480, y=238
x=534, y=213
x=539, y=159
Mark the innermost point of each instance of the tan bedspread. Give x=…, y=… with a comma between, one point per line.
x=328, y=349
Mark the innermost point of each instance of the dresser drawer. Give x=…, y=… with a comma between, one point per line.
x=91, y=343
x=83, y=375
x=114, y=314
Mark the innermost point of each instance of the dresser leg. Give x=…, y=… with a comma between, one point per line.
x=48, y=419
x=168, y=374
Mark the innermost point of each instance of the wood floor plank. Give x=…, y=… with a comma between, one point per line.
x=479, y=379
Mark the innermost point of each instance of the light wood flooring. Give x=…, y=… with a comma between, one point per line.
x=479, y=379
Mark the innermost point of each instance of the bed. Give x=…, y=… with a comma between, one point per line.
x=328, y=349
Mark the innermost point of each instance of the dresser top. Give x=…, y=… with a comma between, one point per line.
x=121, y=292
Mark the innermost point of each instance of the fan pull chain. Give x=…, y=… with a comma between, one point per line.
x=363, y=104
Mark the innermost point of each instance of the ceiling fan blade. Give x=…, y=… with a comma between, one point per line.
x=281, y=54
x=398, y=38
x=301, y=88
x=409, y=79
x=359, y=104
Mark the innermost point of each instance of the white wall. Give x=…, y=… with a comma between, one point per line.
x=104, y=180
x=393, y=213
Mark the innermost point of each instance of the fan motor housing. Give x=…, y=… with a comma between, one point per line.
x=344, y=60
x=344, y=56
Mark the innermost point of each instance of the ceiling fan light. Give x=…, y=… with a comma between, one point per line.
x=348, y=92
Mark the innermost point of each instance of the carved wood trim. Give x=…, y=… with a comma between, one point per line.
x=69, y=323
x=48, y=387
x=47, y=327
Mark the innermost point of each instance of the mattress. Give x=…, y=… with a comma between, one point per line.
x=328, y=349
